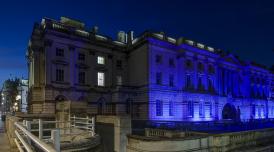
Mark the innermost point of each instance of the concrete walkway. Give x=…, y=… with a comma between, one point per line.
x=4, y=141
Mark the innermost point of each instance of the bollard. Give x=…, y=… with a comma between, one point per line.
x=40, y=129
x=55, y=137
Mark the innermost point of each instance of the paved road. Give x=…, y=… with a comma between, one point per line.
x=4, y=142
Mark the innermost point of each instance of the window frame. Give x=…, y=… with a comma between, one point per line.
x=101, y=79
x=101, y=60
x=159, y=108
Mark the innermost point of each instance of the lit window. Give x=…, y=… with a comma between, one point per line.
x=81, y=77
x=100, y=60
x=159, y=108
x=101, y=79
x=60, y=75
x=119, y=80
x=59, y=52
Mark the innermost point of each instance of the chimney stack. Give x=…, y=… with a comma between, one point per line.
x=122, y=37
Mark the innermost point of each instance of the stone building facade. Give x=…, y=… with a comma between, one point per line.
x=152, y=76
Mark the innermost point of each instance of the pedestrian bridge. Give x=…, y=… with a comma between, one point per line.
x=31, y=135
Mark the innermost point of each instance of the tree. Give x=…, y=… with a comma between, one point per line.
x=10, y=91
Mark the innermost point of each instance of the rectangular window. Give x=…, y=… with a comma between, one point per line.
x=200, y=84
x=253, y=111
x=159, y=108
x=188, y=63
x=101, y=79
x=201, y=110
x=60, y=75
x=81, y=77
x=159, y=78
x=210, y=109
x=171, y=108
x=210, y=85
x=119, y=80
x=171, y=80
x=188, y=82
x=100, y=60
x=59, y=52
x=171, y=62
x=119, y=63
x=158, y=59
x=190, y=108
x=81, y=57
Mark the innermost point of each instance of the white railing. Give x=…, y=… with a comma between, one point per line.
x=24, y=137
x=84, y=123
x=22, y=133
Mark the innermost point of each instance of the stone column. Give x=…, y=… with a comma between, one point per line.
x=121, y=127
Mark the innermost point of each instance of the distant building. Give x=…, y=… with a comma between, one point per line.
x=22, y=95
x=152, y=76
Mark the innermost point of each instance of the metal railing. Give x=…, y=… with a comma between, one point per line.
x=27, y=140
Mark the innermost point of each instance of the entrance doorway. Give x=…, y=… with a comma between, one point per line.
x=229, y=112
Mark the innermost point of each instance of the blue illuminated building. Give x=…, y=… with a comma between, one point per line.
x=191, y=81
x=151, y=77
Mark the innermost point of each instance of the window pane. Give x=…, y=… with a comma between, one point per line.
x=81, y=56
x=171, y=108
x=101, y=78
x=59, y=52
x=159, y=108
x=119, y=80
x=100, y=60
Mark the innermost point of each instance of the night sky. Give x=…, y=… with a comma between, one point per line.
x=245, y=28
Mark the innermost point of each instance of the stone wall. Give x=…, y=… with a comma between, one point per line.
x=254, y=140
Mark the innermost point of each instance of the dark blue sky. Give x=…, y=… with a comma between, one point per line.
x=246, y=28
